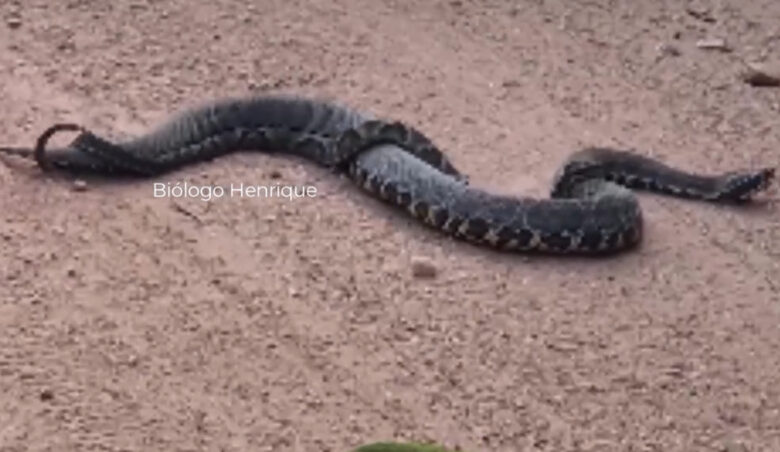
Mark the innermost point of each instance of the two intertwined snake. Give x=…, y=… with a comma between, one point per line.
x=591, y=210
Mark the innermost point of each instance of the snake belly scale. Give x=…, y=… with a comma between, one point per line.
x=591, y=209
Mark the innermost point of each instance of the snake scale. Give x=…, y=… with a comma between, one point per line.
x=591, y=209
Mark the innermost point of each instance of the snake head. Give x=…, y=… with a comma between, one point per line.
x=742, y=186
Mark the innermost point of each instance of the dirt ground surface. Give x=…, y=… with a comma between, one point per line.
x=135, y=323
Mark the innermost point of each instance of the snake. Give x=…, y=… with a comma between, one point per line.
x=392, y=446
x=591, y=209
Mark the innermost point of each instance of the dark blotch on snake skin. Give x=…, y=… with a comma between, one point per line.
x=421, y=210
x=524, y=237
x=476, y=228
x=557, y=241
x=404, y=199
x=590, y=240
x=439, y=216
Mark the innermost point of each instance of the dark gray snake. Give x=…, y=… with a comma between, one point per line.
x=591, y=210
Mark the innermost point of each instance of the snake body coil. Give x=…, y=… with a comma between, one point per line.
x=591, y=211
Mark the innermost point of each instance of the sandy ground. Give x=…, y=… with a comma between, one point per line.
x=134, y=323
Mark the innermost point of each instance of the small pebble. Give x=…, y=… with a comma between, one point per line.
x=423, y=267
x=79, y=185
x=274, y=174
x=703, y=16
x=668, y=49
x=46, y=395
x=713, y=44
x=13, y=22
x=757, y=74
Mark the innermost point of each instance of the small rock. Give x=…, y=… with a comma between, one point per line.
x=668, y=49
x=423, y=267
x=757, y=74
x=275, y=174
x=65, y=46
x=13, y=22
x=731, y=445
x=79, y=185
x=704, y=16
x=46, y=395
x=713, y=44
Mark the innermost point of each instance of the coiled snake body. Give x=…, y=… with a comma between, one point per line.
x=591, y=210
